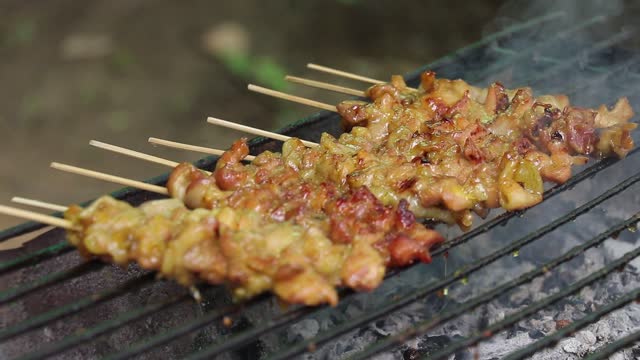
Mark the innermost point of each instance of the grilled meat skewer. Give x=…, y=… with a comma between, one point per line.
x=253, y=254
x=448, y=149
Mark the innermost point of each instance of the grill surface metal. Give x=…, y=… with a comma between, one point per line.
x=52, y=303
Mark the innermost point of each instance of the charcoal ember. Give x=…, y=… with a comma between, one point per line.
x=603, y=331
x=348, y=346
x=411, y=354
x=252, y=350
x=515, y=331
x=303, y=330
x=503, y=343
x=581, y=307
x=400, y=322
x=545, y=324
x=587, y=295
x=586, y=337
x=618, y=356
x=617, y=248
x=573, y=346
x=568, y=314
x=379, y=328
x=431, y=344
x=536, y=334
x=526, y=294
x=353, y=310
x=498, y=316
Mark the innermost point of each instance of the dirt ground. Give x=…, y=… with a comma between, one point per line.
x=121, y=71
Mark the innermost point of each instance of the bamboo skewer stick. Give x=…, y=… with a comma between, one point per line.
x=345, y=74
x=325, y=86
x=195, y=148
x=38, y=204
x=34, y=216
x=132, y=153
x=136, y=154
x=254, y=131
x=110, y=178
x=285, y=96
x=348, y=75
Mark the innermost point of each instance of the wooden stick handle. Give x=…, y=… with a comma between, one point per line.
x=189, y=147
x=254, y=131
x=345, y=74
x=132, y=153
x=325, y=86
x=136, y=154
x=30, y=215
x=38, y=203
x=348, y=75
x=297, y=99
x=110, y=178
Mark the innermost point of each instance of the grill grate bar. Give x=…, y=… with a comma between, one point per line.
x=13, y=293
x=36, y=257
x=79, y=305
x=241, y=339
x=619, y=37
x=531, y=51
x=31, y=226
x=493, y=37
x=187, y=328
x=495, y=293
x=573, y=90
x=504, y=217
x=548, y=59
x=463, y=272
x=607, y=350
x=589, y=319
x=539, y=305
x=103, y=328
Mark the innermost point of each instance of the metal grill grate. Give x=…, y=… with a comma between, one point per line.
x=482, y=61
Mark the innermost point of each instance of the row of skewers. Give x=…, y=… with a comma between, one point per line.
x=340, y=212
